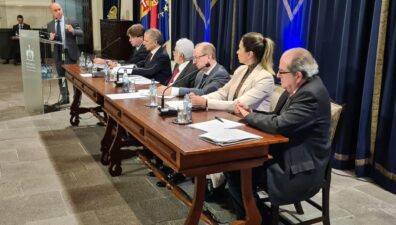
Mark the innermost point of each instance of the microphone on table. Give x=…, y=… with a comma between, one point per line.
x=172, y=112
x=110, y=44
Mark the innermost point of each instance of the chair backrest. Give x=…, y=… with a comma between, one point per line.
x=278, y=90
x=336, y=111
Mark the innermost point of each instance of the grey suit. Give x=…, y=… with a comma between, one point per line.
x=71, y=53
x=215, y=80
x=297, y=169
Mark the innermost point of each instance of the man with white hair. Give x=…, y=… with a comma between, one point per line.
x=183, y=55
x=303, y=115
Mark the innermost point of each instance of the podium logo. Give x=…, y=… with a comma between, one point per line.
x=29, y=54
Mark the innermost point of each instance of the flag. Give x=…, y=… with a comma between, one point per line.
x=163, y=19
x=144, y=13
x=153, y=13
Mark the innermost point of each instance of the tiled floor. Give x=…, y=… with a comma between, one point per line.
x=50, y=174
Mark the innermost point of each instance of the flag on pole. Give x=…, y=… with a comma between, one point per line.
x=163, y=19
x=144, y=13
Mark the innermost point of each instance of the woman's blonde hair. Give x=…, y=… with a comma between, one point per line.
x=262, y=47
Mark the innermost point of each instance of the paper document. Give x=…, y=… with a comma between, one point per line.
x=86, y=74
x=216, y=125
x=224, y=137
x=140, y=79
x=174, y=104
x=125, y=95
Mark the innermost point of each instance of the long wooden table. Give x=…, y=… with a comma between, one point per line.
x=177, y=145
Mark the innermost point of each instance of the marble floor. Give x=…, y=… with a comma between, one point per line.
x=50, y=174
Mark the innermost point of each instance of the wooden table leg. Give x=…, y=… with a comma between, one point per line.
x=115, y=152
x=198, y=200
x=107, y=141
x=74, y=108
x=253, y=216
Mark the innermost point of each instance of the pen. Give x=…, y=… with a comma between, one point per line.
x=219, y=119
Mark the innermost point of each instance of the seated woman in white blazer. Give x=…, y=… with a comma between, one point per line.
x=252, y=84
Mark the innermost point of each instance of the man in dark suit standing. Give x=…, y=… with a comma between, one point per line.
x=139, y=52
x=63, y=30
x=14, y=52
x=157, y=64
x=302, y=114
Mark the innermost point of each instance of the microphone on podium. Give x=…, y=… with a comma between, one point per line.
x=172, y=112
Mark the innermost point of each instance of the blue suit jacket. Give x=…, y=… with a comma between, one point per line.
x=215, y=80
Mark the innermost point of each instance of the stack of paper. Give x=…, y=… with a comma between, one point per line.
x=228, y=136
x=216, y=124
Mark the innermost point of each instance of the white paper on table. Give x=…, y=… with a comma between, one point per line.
x=174, y=104
x=216, y=125
x=86, y=74
x=140, y=79
x=124, y=95
x=224, y=137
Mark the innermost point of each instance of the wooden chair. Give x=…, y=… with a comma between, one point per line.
x=336, y=114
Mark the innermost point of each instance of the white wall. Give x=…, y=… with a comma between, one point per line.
x=126, y=10
x=35, y=12
x=97, y=15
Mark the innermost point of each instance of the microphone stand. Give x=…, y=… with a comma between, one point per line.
x=172, y=112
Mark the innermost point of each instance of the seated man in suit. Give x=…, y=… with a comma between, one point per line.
x=139, y=52
x=14, y=52
x=157, y=64
x=182, y=54
x=211, y=77
x=303, y=115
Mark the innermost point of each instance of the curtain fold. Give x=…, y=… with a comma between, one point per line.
x=385, y=149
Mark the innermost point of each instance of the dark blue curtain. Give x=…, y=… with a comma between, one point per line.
x=342, y=35
x=385, y=149
x=186, y=21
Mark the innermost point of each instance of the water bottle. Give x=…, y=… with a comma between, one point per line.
x=81, y=61
x=125, y=82
x=153, y=94
x=106, y=73
x=187, y=104
x=88, y=64
x=132, y=86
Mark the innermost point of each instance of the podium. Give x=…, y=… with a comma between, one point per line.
x=31, y=69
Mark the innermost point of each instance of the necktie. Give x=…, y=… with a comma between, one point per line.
x=203, y=81
x=59, y=38
x=173, y=76
x=58, y=31
x=20, y=26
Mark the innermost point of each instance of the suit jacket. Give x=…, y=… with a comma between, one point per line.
x=158, y=68
x=298, y=167
x=138, y=57
x=70, y=38
x=214, y=80
x=182, y=80
x=15, y=28
x=256, y=91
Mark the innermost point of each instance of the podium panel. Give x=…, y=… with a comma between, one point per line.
x=31, y=70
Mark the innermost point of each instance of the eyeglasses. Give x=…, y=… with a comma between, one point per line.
x=197, y=57
x=283, y=72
